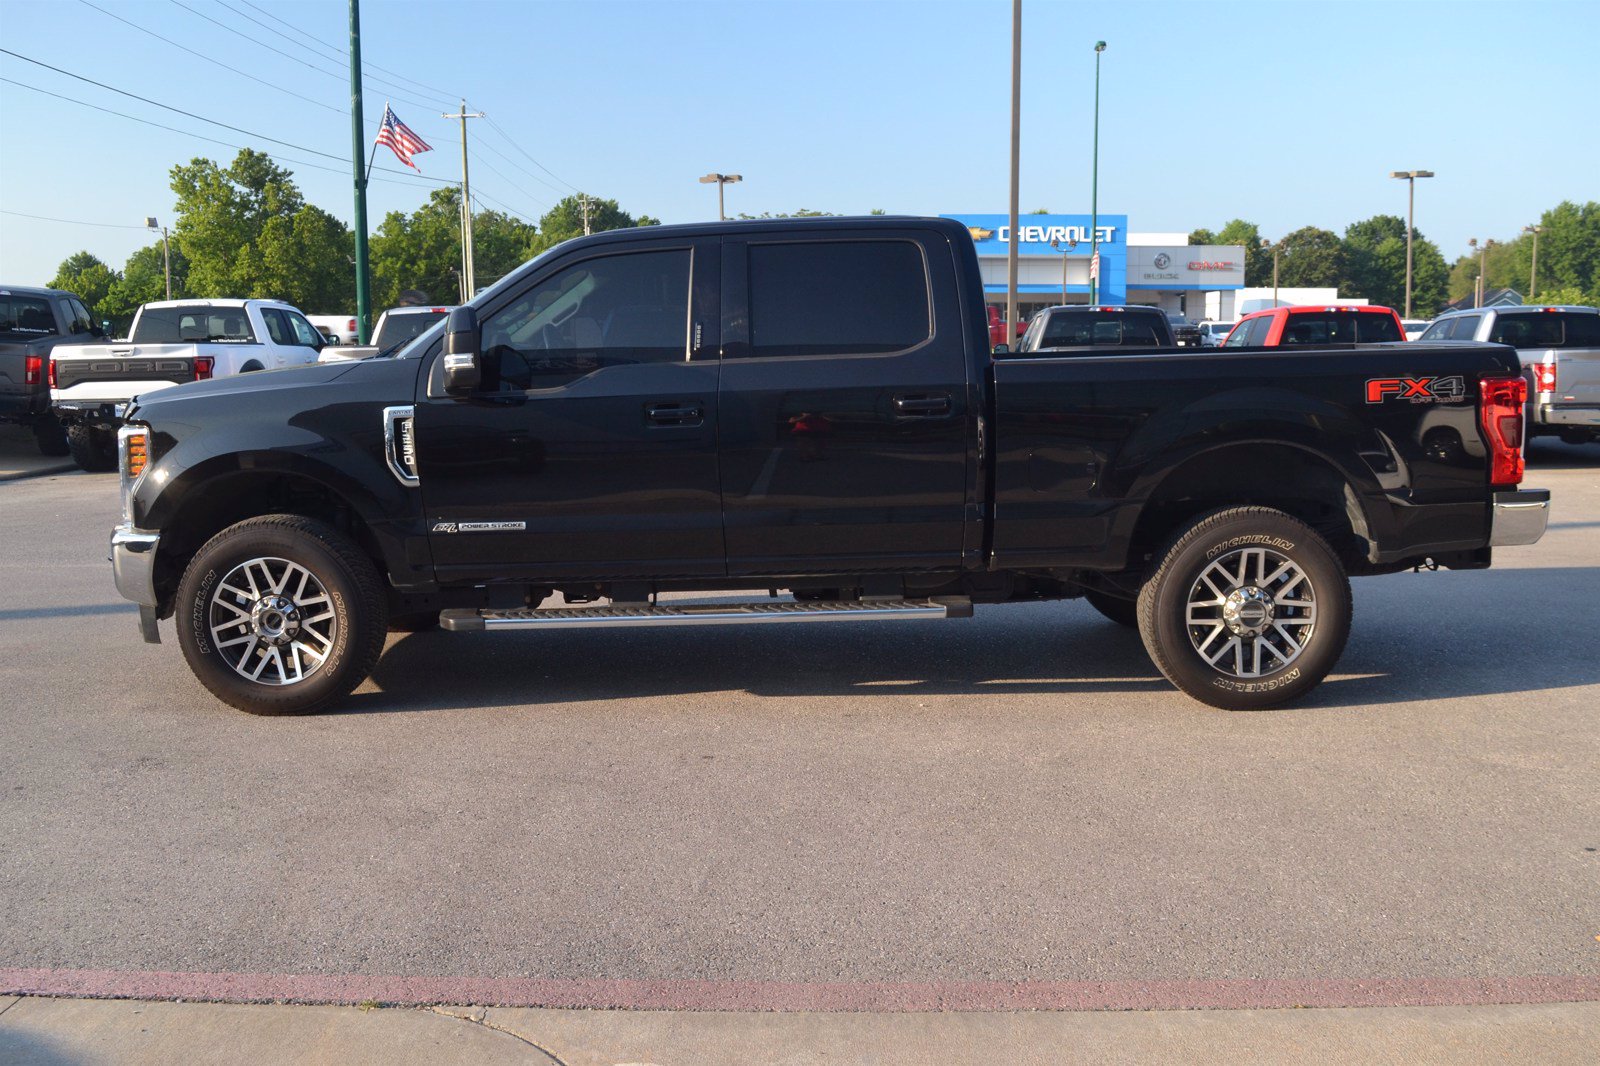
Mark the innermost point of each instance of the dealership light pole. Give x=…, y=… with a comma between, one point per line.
x=1533, y=273
x=1016, y=173
x=1410, y=177
x=1072, y=242
x=1269, y=244
x=721, y=180
x=1094, y=187
x=166, y=250
x=1480, y=288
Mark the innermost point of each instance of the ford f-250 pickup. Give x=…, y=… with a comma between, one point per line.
x=809, y=411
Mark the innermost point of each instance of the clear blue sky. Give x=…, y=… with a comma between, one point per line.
x=1288, y=114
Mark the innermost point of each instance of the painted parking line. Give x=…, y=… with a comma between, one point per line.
x=677, y=994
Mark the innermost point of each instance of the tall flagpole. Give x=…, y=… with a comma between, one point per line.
x=358, y=142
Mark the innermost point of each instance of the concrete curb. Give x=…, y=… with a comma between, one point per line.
x=135, y=1033
x=62, y=466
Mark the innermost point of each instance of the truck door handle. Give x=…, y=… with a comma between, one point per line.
x=674, y=414
x=922, y=406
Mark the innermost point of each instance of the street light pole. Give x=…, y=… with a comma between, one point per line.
x=1411, y=177
x=720, y=180
x=1094, y=187
x=166, y=250
x=1072, y=242
x=1016, y=170
x=1533, y=274
x=1268, y=244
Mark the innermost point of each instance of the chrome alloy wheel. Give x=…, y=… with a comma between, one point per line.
x=1250, y=612
x=273, y=621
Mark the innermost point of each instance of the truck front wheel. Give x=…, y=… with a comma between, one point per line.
x=94, y=450
x=281, y=614
x=1249, y=608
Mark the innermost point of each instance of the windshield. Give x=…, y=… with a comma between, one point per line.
x=1547, y=329
x=28, y=316
x=398, y=329
x=1074, y=329
x=193, y=325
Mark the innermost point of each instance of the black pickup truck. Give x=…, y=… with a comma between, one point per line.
x=809, y=412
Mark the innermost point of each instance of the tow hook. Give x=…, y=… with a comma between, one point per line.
x=1426, y=564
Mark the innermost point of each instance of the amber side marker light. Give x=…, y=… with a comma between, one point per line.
x=138, y=453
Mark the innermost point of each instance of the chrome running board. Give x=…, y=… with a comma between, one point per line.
x=466, y=620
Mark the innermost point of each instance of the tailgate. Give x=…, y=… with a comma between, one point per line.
x=1577, y=374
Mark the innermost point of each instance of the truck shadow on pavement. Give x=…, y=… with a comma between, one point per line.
x=1416, y=637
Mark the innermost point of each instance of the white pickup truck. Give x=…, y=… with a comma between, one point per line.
x=171, y=342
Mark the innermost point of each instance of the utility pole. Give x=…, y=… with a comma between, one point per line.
x=468, y=282
x=358, y=138
x=583, y=202
x=1016, y=142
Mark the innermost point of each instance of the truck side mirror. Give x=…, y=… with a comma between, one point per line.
x=463, y=370
x=1000, y=349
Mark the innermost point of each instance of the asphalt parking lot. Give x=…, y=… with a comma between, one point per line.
x=1013, y=798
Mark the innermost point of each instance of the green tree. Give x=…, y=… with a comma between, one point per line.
x=1257, y=263
x=565, y=219
x=1202, y=236
x=1569, y=249
x=305, y=258
x=1310, y=257
x=87, y=277
x=421, y=250
x=806, y=212
x=1375, y=265
x=143, y=280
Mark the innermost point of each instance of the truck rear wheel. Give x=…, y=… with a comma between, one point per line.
x=1248, y=608
x=281, y=614
x=50, y=436
x=94, y=450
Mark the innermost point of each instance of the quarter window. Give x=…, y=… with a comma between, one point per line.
x=837, y=298
x=608, y=311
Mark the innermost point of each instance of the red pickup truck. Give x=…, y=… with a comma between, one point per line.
x=1288, y=326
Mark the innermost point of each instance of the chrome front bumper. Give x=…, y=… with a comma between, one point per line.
x=133, y=565
x=1520, y=517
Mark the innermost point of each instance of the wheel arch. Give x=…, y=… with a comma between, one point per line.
x=1286, y=476
x=214, y=496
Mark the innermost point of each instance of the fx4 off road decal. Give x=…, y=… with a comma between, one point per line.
x=1452, y=389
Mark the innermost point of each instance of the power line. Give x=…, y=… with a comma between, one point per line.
x=496, y=127
x=188, y=114
x=513, y=163
x=71, y=221
x=519, y=189
x=287, y=55
x=212, y=140
x=210, y=59
x=269, y=29
x=343, y=53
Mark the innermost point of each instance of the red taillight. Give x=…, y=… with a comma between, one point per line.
x=1544, y=377
x=350, y=327
x=33, y=370
x=1500, y=406
x=203, y=365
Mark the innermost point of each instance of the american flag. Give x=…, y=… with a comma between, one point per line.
x=398, y=136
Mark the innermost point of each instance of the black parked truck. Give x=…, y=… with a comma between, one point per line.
x=808, y=412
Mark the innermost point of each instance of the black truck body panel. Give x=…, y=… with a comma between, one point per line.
x=931, y=465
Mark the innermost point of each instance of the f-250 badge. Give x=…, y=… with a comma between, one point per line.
x=1452, y=389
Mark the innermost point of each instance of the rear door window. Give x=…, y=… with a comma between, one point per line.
x=26, y=316
x=193, y=325
x=838, y=298
x=1373, y=328
x=81, y=321
x=1547, y=329
x=278, y=329
x=1464, y=327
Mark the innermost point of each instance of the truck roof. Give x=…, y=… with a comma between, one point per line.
x=32, y=290
x=221, y=303
x=1518, y=309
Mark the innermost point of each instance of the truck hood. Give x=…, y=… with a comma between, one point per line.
x=200, y=394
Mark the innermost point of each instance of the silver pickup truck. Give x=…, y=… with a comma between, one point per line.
x=1560, y=352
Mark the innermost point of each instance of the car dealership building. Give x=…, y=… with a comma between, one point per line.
x=1200, y=281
